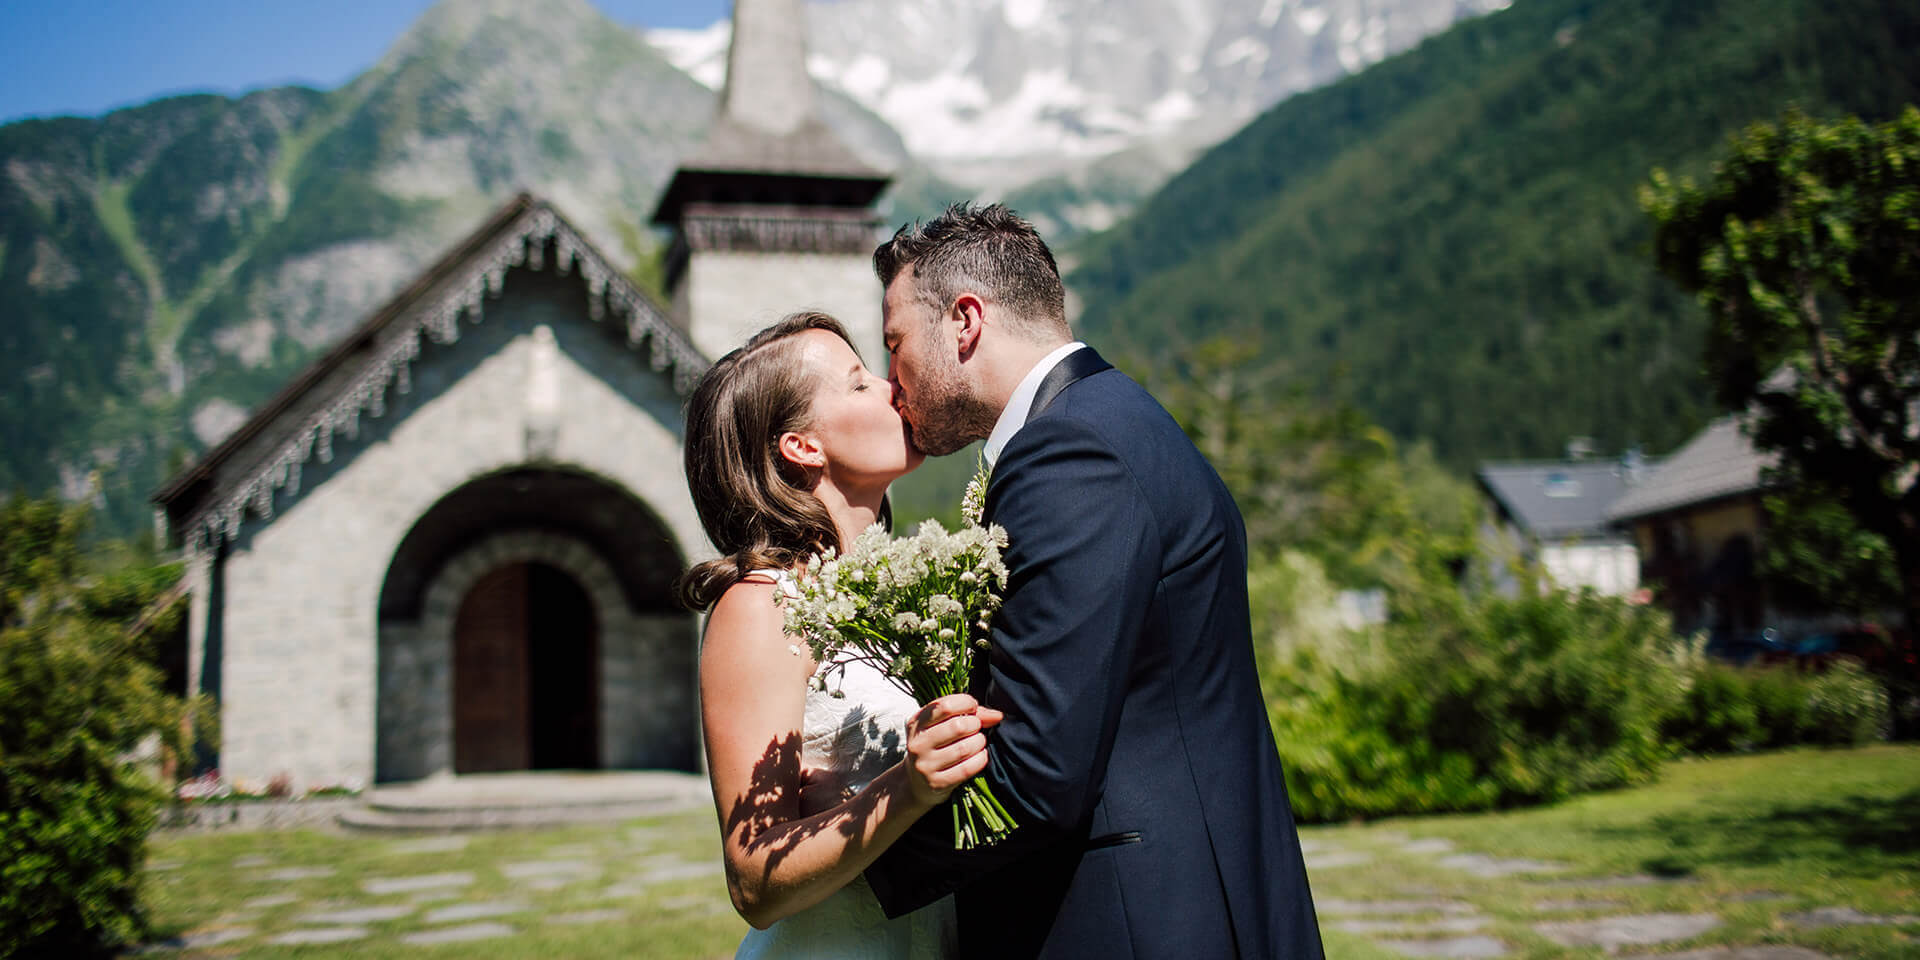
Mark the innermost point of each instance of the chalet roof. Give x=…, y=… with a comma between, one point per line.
x=209, y=500
x=1720, y=461
x=1557, y=499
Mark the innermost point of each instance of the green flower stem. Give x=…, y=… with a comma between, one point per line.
x=976, y=804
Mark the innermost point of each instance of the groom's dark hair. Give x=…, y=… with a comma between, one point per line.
x=987, y=250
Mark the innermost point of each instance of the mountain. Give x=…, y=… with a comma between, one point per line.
x=167, y=267
x=1451, y=239
x=1002, y=94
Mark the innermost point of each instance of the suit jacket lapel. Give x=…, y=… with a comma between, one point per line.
x=1073, y=367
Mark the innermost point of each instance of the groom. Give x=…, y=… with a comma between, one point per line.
x=1135, y=752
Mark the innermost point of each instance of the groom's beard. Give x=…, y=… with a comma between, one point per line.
x=945, y=415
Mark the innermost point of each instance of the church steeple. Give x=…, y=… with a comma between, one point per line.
x=767, y=84
x=768, y=145
x=773, y=212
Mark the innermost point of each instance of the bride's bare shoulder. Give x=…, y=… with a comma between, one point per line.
x=747, y=614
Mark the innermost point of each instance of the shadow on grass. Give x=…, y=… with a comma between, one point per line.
x=1855, y=836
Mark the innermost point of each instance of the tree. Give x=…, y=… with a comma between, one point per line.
x=1805, y=251
x=78, y=693
x=1313, y=476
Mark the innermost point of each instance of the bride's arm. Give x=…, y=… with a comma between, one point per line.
x=753, y=698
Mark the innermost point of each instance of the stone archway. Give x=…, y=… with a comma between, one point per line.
x=530, y=647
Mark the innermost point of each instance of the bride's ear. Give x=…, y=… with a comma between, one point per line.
x=802, y=450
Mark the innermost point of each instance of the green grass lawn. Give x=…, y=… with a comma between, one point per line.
x=1748, y=839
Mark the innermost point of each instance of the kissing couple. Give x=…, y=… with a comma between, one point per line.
x=1115, y=712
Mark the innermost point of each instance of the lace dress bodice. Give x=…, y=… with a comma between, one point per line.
x=851, y=733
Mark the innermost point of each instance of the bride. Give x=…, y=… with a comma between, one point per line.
x=790, y=445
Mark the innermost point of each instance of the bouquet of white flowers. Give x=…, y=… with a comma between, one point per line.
x=909, y=606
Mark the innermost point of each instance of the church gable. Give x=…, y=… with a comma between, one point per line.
x=443, y=327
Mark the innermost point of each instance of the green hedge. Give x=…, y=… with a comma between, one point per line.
x=1733, y=708
x=1474, y=705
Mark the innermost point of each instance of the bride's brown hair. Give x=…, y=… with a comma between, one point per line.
x=757, y=506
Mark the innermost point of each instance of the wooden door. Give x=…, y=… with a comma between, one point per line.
x=490, y=689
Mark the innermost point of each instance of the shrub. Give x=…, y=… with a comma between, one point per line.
x=1729, y=708
x=78, y=693
x=1477, y=703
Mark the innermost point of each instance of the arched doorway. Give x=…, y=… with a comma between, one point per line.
x=527, y=622
x=525, y=683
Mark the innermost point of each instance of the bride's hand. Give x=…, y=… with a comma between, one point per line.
x=946, y=746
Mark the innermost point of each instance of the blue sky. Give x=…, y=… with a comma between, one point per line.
x=89, y=56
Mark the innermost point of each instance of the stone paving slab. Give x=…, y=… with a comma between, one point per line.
x=1434, y=845
x=320, y=935
x=681, y=871
x=525, y=869
x=443, y=843
x=289, y=874
x=475, y=911
x=1845, y=917
x=162, y=865
x=1412, y=928
x=543, y=884
x=1447, y=947
x=252, y=860
x=581, y=918
x=1627, y=931
x=1757, y=952
x=272, y=900
x=1337, y=907
x=472, y=931
x=354, y=916
x=1337, y=858
x=1630, y=880
x=387, y=886
x=434, y=896
x=1481, y=865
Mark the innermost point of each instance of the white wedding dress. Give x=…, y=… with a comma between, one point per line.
x=851, y=739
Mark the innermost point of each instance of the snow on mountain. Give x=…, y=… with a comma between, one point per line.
x=970, y=83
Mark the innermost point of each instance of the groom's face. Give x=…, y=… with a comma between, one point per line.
x=929, y=388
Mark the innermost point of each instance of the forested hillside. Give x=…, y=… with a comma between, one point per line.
x=1451, y=239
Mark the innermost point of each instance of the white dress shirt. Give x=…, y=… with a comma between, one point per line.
x=1021, y=403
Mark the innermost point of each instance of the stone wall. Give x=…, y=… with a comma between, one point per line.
x=733, y=295
x=292, y=608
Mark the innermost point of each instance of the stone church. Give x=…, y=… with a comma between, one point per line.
x=448, y=546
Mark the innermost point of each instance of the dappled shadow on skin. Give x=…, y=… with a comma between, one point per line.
x=1857, y=836
x=773, y=817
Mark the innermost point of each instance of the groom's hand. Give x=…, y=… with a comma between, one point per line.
x=946, y=746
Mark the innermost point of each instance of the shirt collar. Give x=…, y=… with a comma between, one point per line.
x=1021, y=403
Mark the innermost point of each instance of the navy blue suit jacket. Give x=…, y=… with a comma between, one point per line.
x=1136, y=753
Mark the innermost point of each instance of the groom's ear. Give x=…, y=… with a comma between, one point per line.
x=969, y=318
x=802, y=450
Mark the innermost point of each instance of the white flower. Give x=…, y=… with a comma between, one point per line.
x=793, y=648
